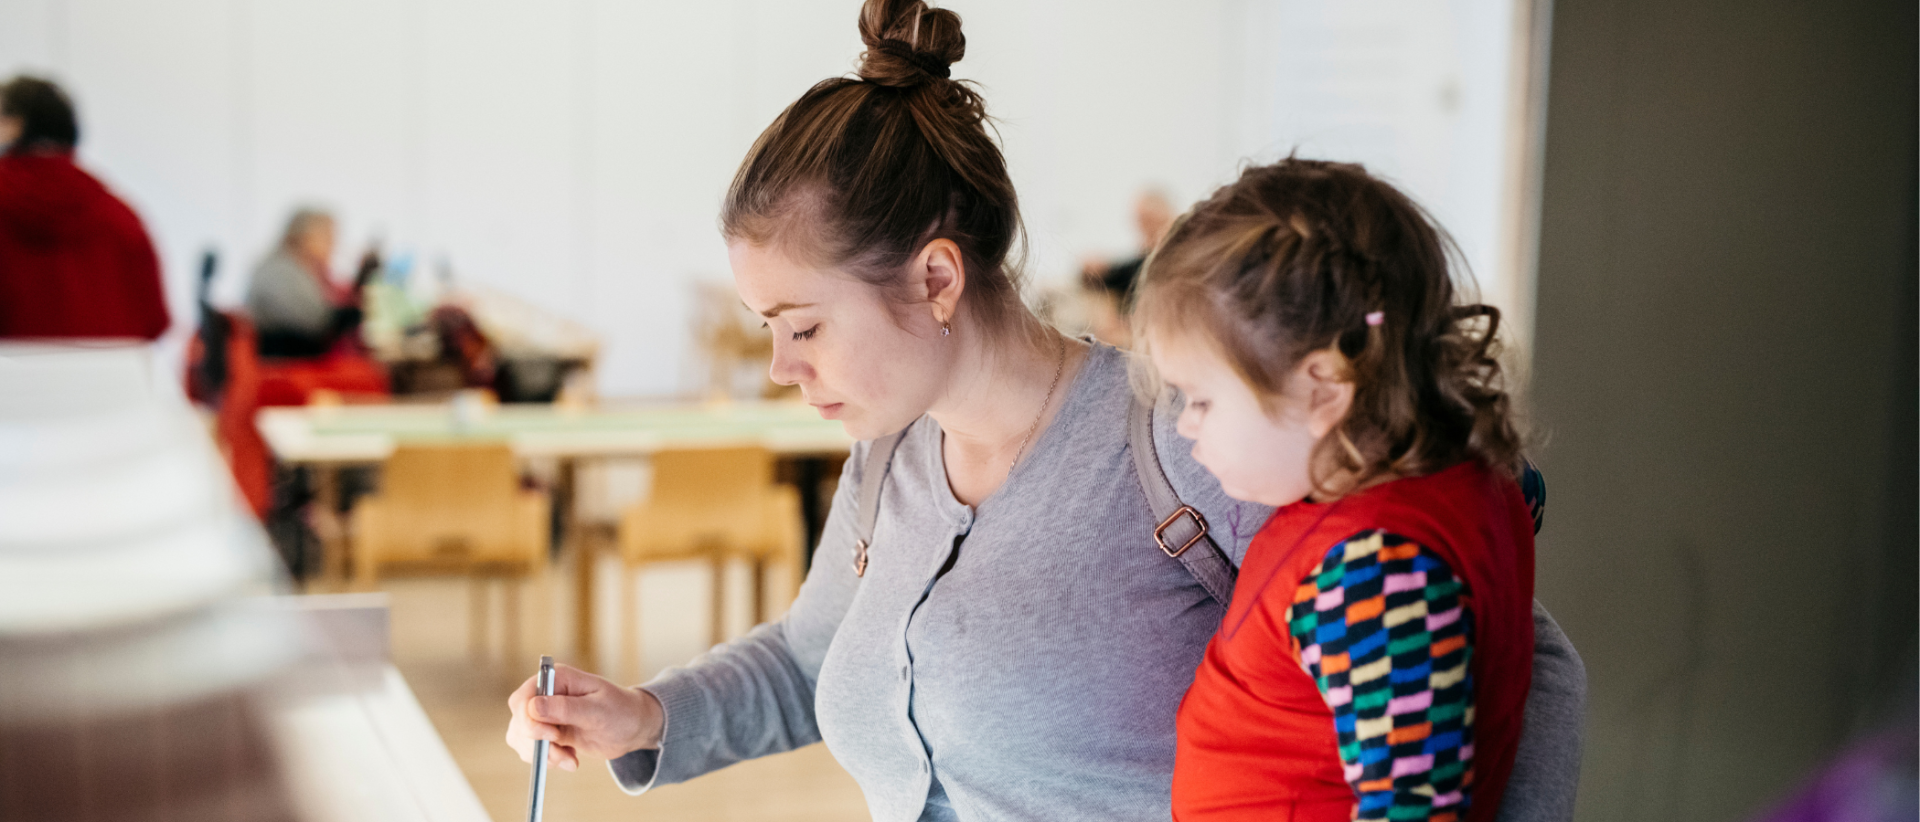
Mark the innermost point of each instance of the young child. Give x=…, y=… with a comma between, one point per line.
x=1376, y=657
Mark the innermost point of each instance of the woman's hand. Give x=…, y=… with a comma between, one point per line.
x=587, y=714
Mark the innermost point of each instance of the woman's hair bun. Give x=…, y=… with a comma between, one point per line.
x=908, y=42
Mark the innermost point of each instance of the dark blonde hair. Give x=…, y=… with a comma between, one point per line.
x=862, y=172
x=1300, y=256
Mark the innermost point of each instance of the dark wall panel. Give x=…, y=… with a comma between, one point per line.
x=1724, y=378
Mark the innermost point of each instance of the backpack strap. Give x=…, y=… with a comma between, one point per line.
x=1182, y=530
x=873, y=479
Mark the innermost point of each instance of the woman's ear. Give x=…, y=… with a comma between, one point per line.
x=1329, y=393
x=941, y=271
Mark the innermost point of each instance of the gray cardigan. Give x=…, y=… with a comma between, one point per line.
x=1021, y=660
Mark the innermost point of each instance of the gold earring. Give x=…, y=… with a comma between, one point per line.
x=946, y=328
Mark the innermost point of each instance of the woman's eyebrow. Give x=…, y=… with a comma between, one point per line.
x=777, y=308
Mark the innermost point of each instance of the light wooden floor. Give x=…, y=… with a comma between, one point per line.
x=466, y=700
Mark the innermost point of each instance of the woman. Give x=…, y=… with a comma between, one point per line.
x=1013, y=644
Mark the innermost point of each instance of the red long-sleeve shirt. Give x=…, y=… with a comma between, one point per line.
x=74, y=260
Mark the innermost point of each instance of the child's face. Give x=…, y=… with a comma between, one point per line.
x=1257, y=456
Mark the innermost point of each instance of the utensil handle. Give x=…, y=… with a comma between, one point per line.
x=537, y=799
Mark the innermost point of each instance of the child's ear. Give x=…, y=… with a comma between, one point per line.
x=1330, y=389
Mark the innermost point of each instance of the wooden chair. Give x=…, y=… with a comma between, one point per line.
x=459, y=509
x=713, y=504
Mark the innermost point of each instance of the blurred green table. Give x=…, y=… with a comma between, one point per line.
x=367, y=434
x=328, y=437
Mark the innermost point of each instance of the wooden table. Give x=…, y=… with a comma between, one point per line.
x=327, y=438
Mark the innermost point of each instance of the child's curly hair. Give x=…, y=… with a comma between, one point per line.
x=1302, y=255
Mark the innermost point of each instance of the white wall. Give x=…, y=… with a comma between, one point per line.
x=575, y=153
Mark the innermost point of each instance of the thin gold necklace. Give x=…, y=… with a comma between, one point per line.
x=1059, y=365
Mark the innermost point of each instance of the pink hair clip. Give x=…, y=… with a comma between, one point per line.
x=1376, y=317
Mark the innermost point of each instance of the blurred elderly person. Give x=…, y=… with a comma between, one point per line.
x=1152, y=215
x=296, y=306
x=74, y=259
x=1110, y=282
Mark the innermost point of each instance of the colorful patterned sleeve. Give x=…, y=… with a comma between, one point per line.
x=1385, y=628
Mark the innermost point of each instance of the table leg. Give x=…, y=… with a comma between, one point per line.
x=564, y=487
x=759, y=589
x=718, y=619
x=580, y=545
x=478, y=614
x=808, y=475
x=327, y=520
x=584, y=580
x=632, y=652
x=510, y=642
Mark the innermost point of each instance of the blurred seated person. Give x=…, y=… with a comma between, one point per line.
x=1152, y=215
x=297, y=308
x=1111, y=281
x=303, y=327
x=74, y=259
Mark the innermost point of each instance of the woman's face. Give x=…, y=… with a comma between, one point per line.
x=841, y=342
x=1257, y=456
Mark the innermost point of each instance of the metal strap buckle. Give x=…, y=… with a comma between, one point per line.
x=1159, y=533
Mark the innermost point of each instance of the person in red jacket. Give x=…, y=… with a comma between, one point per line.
x=74, y=260
x=1375, y=660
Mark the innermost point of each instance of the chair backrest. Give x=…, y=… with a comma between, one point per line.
x=451, y=502
x=207, y=353
x=239, y=399
x=703, y=496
